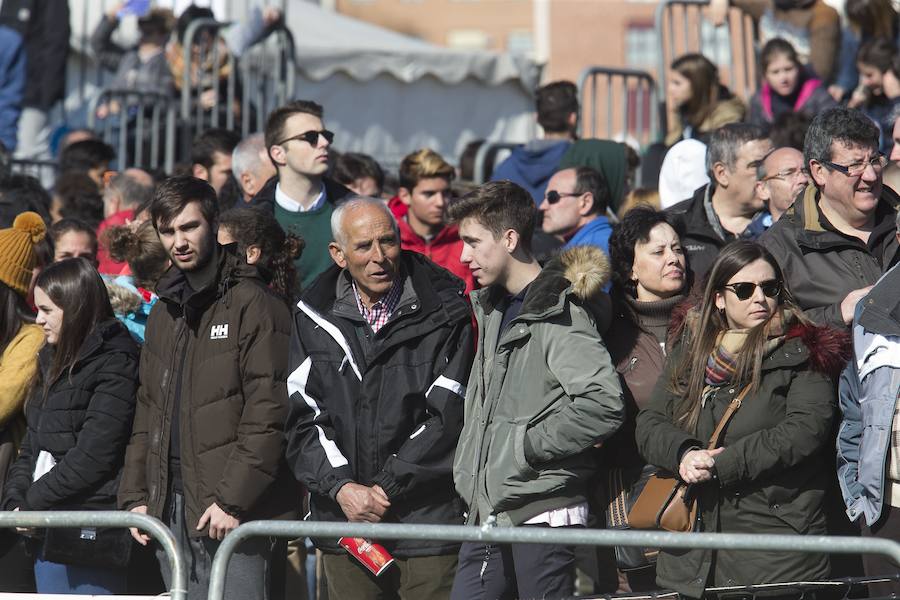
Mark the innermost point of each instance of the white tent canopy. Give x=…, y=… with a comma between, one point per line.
x=384, y=93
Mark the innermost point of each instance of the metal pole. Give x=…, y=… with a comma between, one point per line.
x=114, y=518
x=548, y=535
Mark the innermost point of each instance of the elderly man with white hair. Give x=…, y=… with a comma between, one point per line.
x=381, y=351
x=251, y=165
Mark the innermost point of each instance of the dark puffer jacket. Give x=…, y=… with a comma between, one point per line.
x=84, y=422
x=232, y=341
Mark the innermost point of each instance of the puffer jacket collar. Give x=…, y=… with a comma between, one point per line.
x=173, y=285
x=581, y=271
x=106, y=336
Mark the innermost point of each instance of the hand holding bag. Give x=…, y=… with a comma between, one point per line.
x=668, y=503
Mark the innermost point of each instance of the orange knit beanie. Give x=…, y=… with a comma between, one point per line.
x=17, y=258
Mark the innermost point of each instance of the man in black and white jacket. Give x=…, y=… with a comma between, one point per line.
x=380, y=353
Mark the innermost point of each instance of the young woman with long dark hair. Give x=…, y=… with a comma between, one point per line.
x=698, y=102
x=747, y=340
x=79, y=419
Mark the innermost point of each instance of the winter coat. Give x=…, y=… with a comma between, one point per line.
x=772, y=476
x=812, y=99
x=729, y=109
x=821, y=265
x=532, y=165
x=83, y=422
x=130, y=304
x=868, y=395
x=541, y=393
x=382, y=408
x=231, y=340
x=444, y=249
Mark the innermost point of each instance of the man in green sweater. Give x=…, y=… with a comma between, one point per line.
x=300, y=196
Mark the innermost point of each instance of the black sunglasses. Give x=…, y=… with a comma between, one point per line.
x=745, y=289
x=310, y=137
x=553, y=196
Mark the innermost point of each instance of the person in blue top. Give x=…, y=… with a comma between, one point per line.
x=574, y=208
x=531, y=165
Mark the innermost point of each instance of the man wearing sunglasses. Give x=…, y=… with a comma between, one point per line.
x=301, y=197
x=838, y=237
x=781, y=178
x=727, y=208
x=574, y=208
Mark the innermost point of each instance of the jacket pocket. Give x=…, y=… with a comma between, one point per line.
x=877, y=416
x=509, y=479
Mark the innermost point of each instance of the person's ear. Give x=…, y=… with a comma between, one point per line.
x=248, y=184
x=720, y=301
x=404, y=195
x=762, y=191
x=510, y=240
x=337, y=255
x=585, y=204
x=253, y=254
x=200, y=172
x=277, y=154
x=817, y=171
x=721, y=174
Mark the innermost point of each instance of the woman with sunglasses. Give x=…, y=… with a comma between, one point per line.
x=747, y=341
x=79, y=419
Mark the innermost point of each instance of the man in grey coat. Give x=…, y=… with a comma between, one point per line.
x=542, y=391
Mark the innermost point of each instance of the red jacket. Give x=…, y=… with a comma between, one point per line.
x=444, y=249
x=107, y=265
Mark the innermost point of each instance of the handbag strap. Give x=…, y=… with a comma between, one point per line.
x=723, y=422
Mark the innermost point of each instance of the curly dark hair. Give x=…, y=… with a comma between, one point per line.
x=634, y=227
x=278, y=250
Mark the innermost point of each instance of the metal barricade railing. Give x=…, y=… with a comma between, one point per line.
x=541, y=535
x=44, y=170
x=486, y=159
x=629, y=98
x=139, y=125
x=109, y=519
x=683, y=26
x=227, y=91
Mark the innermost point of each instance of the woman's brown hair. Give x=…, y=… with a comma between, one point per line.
x=701, y=332
x=141, y=249
x=74, y=286
x=703, y=76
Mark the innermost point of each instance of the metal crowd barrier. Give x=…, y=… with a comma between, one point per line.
x=44, y=170
x=142, y=129
x=254, y=84
x=540, y=535
x=682, y=26
x=109, y=519
x=629, y=98
x=486, y=159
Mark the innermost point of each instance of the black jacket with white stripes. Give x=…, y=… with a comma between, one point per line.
x=381, y=408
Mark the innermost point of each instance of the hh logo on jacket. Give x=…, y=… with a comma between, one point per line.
x=218, y=332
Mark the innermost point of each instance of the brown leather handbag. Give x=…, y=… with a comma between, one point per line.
x=668, y=503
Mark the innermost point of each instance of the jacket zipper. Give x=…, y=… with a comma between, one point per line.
x=168, y=396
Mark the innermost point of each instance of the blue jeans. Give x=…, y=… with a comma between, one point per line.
x=56, y=578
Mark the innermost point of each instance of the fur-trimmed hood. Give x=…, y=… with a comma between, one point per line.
x=829, y=348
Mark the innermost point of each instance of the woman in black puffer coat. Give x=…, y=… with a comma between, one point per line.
x=79, y=416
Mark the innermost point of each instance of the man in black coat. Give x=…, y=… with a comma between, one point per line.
x=380, y=352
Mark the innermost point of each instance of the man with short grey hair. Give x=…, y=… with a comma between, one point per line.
x=251, y=165
x=780, y=179
x=723, y=210
x=381, y=350
x=838, y=238
x=125, y=192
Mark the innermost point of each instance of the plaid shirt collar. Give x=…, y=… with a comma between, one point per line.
x=381, y=311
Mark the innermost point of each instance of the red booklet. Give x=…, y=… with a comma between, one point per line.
x=372, y=555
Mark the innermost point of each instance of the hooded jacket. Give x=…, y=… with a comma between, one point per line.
x=812, y=99
x=777, y=463
x=381, y=408
x=83, y=422
x=821, y=265
x=532, y=165
x=231, y=341
x=541, y=393
x=444, y=249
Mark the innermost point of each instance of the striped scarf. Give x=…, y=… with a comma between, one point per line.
x=720, y=367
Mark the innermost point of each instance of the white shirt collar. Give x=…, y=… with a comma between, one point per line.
x=291, y=205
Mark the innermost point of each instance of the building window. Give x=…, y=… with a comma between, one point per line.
x=468, y=39
x=641, y=46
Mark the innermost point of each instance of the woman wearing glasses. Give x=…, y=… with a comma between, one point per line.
x=746, y=340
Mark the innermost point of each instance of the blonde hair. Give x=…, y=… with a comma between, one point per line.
x=640, y=197
x=424, y=164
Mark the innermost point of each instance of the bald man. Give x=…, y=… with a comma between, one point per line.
x=780, y=179
x=125, y=192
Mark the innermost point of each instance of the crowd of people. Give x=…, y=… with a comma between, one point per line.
x=280, y=331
